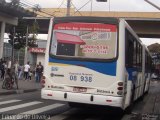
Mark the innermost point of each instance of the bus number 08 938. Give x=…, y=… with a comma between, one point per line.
x=82, y=78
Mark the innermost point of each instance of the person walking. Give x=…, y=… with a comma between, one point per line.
x=19, y=72
x=15, y=73
x=26, y=70
x=39, y=71
x=9, y=63
x=1, y=63
x=3, y=69
x=30, y=75
x=36, y=73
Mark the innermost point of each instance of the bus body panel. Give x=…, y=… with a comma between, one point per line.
x=83, y=98
x=72, y=77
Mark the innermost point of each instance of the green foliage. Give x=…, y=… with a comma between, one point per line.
x=19, y=36
x=154, y=48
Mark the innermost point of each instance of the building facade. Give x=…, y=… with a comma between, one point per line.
x=35, y=55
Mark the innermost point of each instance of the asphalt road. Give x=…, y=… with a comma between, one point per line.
x=31, y=106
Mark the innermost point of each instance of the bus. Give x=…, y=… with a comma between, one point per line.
x=95, y=61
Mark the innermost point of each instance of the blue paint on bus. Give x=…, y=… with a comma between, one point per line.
x=108, y=68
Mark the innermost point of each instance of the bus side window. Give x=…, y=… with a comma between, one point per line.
x=129, y=50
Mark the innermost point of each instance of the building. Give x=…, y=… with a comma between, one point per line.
x=18, y=54
x=36, y=55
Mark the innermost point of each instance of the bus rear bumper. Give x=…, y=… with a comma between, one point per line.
x=83, y=98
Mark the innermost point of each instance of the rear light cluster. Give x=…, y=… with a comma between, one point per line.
x=43, y=81
x=120, y=88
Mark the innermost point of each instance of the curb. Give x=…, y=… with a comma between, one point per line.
x=18, y=91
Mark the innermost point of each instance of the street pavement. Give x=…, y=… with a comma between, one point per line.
x=24, y=86
x=147, y=108
x=30, y=105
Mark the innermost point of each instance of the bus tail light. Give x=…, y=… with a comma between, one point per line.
x=43, y=81
x=120, y=83
x=120, y=88
x=108, y=100
x=49, y=94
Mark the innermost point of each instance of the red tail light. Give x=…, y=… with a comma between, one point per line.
x=49, y=94
x=120, y=88
x=108, y=100
x=120, y=83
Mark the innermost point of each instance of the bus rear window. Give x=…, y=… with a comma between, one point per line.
x=84, y=40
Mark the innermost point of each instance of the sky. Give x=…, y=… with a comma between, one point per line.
x=110, y=5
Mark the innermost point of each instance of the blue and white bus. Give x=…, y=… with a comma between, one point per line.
x=96, y=61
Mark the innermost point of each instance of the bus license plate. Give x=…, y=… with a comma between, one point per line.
x=79, y=89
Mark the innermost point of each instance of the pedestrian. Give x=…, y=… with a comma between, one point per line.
x=15, y=73
x=26, y=70
x=1, y=63
x=3, y=69
x=30, y=75
x=9, y=63
x=39, y=71
x=19, y=72
x=36, y=73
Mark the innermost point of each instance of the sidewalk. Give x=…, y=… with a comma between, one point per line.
x=24, y=86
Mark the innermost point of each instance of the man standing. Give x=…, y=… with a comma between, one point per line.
x=3, y=69
x=9, y=65
x=39, y=71
x=26, y=70
x=16, y=65
x=1, y=66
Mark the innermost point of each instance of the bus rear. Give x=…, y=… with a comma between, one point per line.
x=81, y=61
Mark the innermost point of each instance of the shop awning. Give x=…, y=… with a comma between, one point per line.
x=68, y=38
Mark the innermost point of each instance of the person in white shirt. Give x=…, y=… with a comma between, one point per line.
x=9, y=63
x=26, y=70
x=15, y=66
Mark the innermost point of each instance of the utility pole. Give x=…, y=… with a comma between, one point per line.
x=68, y=7
x=91, y=6
x=12, y=57
x=152, y=4
x=26, y=47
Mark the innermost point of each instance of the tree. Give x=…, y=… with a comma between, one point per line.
x=18, y=37
x=154, y=48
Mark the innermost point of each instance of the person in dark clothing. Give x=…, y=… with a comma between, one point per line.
x=39, y=71
x=36, y=73
x=3, y=69
x=1, y=62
